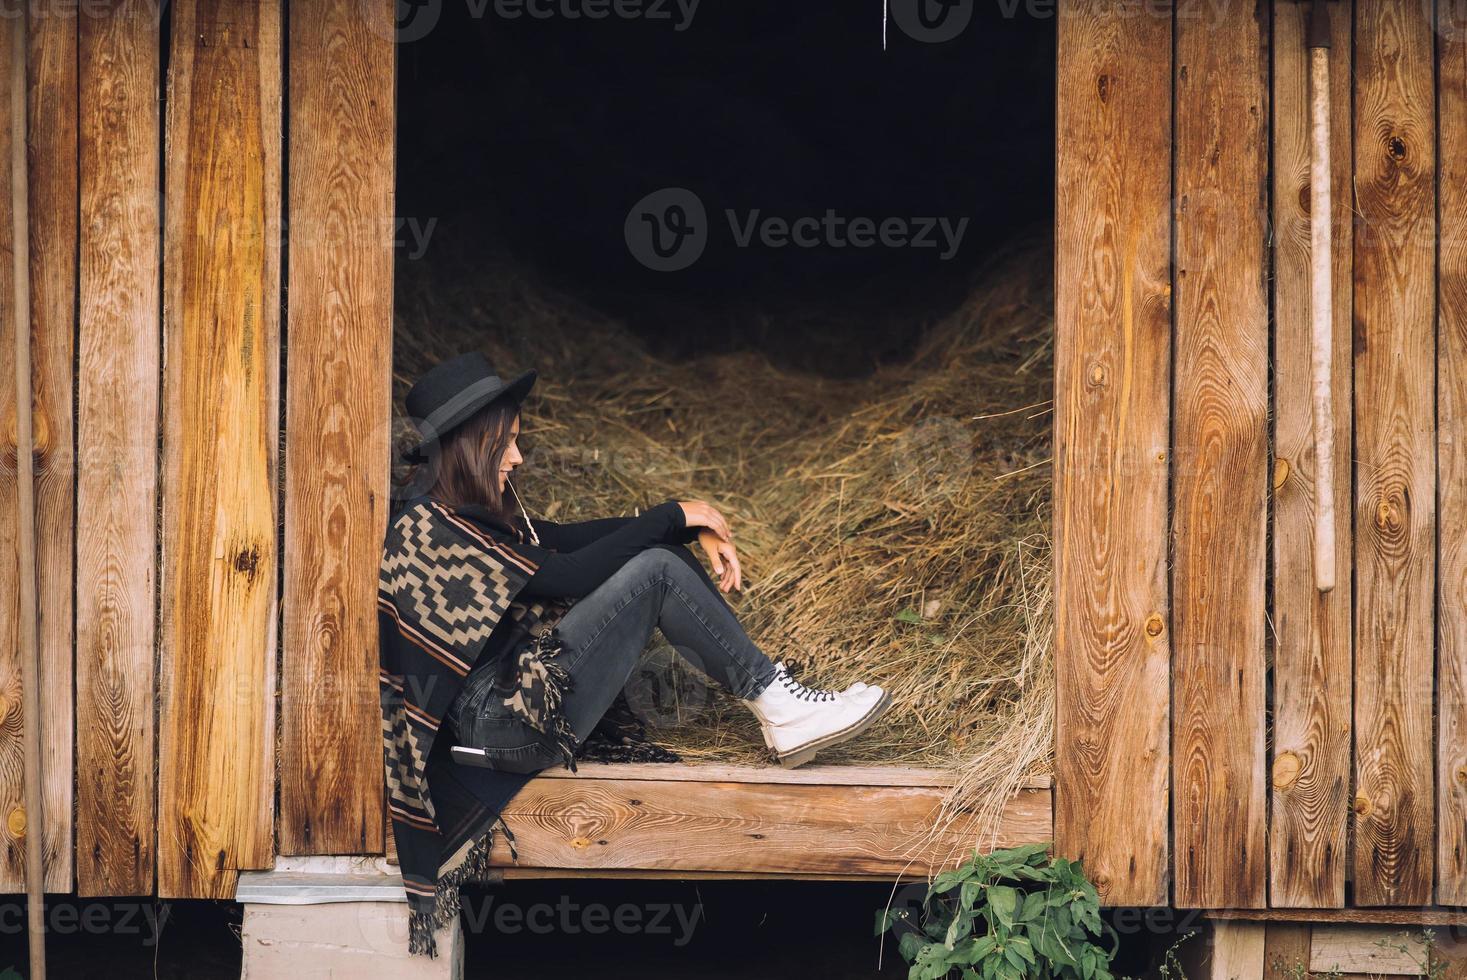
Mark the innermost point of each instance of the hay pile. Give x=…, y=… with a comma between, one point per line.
x=893, y=528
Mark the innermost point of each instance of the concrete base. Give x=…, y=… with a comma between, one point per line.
x=320, y=918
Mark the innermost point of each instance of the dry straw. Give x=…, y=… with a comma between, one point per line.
x=893, y=528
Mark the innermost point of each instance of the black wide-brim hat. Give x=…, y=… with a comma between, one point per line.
x=450, y=392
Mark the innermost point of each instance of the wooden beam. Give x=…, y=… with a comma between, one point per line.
x=1451, y=478
x=1433, y=916
x=338, y=399
x=608, y=821
x=1220, y=491
x=813, y=774
x=221, y=421
x=1395, y=472
x=117, y=436
x=51, y=102
x=1112, y=413
x=1311, y=630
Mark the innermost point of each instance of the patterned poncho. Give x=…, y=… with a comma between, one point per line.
x=447, y=597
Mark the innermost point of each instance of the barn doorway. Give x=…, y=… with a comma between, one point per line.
x=759, y=260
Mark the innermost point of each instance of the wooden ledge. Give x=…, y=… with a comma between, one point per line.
x=807, y=774
x=1424, y=916
x=721, y=821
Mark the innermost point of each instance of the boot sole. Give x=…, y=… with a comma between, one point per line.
x=806, y=752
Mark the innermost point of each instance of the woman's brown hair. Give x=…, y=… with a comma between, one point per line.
x=469, y=457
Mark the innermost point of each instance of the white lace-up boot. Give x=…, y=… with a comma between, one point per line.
x=798, y=721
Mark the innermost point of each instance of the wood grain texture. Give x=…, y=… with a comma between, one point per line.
x=1377, y=951
x=1285, y=944
x=338, y=399
x=51, y=160
x=220, y=417
x=1451, y=877
x=117, y=439
x=1395, y=516
x=1220, y=487
x=1310, y=788
x=745, y=826
x=1238, y=951
x=1112, y=411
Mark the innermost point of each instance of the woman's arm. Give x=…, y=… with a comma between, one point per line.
x=576, y=573
x=579, y=534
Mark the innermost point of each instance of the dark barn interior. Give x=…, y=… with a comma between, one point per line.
x=532, y=150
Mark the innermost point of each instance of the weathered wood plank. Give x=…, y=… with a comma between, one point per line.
x=1220, y=505
x=742, y=826
x=1238, y=950
x=1430, y=916
x=220, y=417
x=1373, y=950
x=338, y=398
x=1112, y=412
x=1395, y=286
x=1285, y=944
x=117, y=439
x=1451, y=879
x=1311, y=630
x=51, y=98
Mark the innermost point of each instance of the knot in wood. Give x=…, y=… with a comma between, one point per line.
x=1154, y=625
x=1286, y=770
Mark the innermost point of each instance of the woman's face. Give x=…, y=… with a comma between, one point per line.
x=512, y=457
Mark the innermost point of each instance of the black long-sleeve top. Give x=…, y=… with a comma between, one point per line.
x=573, y=559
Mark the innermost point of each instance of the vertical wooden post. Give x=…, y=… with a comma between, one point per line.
x=1112, y=411
x=1451, y=878
x=1311, y=631
x=221, y=428
x=1220, y=491
x=51, y=101
x=28, y=656
x=117, y=436
x=1395, y=520
x=338, y=399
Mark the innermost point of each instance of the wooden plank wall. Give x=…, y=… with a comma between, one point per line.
x=117, y=378
x=1220, y=458
x=51, y=100
x=1368, y=703
x=1452, y=459
x=1111, y=462
x=221, y=428
x=1311, y=631
x=338, y=399
x=1395, y=501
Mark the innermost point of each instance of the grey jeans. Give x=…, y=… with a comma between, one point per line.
x=603, y=636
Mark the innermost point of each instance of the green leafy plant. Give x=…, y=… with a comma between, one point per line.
x=1008, y=915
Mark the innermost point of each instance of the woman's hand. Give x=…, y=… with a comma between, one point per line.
x=724, y=559
x=697, y=513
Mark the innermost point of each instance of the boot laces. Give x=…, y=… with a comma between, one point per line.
x=805, y=693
